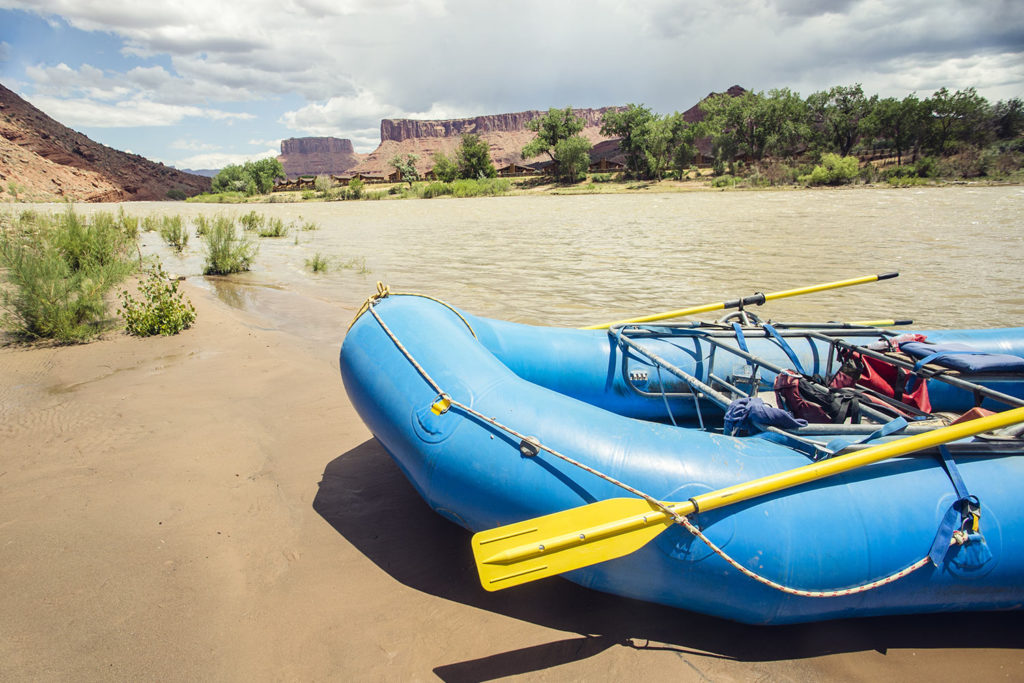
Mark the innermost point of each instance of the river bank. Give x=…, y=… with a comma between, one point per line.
x=209, y=506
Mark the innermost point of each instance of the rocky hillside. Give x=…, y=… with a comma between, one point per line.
x=316, y=156
x=41, y=159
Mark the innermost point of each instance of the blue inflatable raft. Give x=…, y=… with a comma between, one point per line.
x=496, y=422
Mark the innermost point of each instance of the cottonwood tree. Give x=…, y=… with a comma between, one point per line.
x=551, y=128
x=474, y=158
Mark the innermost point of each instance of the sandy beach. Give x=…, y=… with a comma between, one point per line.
x=208, y=506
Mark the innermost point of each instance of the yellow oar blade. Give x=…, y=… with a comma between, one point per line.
x=560, y=542
x=537, y=548
x=755, y=300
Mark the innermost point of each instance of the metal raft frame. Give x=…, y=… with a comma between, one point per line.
x=721, y=391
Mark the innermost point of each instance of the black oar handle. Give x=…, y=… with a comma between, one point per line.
x=752, y=300
x=888, y=276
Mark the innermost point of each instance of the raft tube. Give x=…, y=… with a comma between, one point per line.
x=565, y=388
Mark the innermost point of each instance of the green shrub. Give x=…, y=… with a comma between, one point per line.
x=309, y=226
x=162, y=309
x=435, y=189
x=202, y=225
x=59, y=270
x=834, y=170
x=317, y=264
x=355, y=188
x=356, y=264
x=150, y=223
x=601, y=177
x=724, y=181
x=176, y=195
x=274, y=227
x=226, y=252
x=907, y=181
x=252, y=221
x=174, y=232
x=129, y=225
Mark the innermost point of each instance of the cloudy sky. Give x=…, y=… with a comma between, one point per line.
x=203, y=83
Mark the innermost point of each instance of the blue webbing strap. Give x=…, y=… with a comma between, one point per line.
x=888, y=429
x=785, y=347
x=957, y=516
x=740, y=339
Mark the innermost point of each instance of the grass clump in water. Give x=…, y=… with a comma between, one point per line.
x=59, y=270
x=161, y=309
x=274, y=227
x=174, y=232
x=226, y=251
x=252, y=221
x=318, y=264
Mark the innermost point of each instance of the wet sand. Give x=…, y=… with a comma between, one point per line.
x=209, y=507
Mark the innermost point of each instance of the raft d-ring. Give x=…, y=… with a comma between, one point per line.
x=441, y=405
x=529, y=447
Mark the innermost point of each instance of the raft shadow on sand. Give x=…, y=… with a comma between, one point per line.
x=364, y=496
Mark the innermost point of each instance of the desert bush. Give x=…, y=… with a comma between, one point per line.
x=907, y=181
x=725, y=180
x=833, y=170
x=357, y=264
x=161, y=308
x=226, y=251
x=600, y=177
x=355, y=188
x=252, y=221
x=273, y=227
x=174, y=232
x=202, y=225
x=317, y=264
x=129, y=225
x=59, y=270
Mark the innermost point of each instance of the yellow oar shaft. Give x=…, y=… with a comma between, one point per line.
x=757, y=299
x=845, y=463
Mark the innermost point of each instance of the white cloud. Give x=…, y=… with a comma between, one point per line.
x=350, y=63
x=129, y=113
x=219, y=159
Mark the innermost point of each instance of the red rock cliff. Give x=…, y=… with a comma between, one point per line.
x=399, y=130
x=315, y=156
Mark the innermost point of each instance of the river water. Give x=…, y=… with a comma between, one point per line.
x=577, y=260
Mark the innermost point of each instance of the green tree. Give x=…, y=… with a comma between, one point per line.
x=1008, y=119
x=899, y=122
x=958, y=117
x=252, y=177
x=445, y=168
x=406, y=167
x=840, y=115
x=231, y=178
x=263, y=173
x=572, y=157
x=474, y=158
x=554, y=127
x=632, y=125
x=756, y=125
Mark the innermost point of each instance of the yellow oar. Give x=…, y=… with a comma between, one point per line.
x=560, y=542
x=755, y=300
